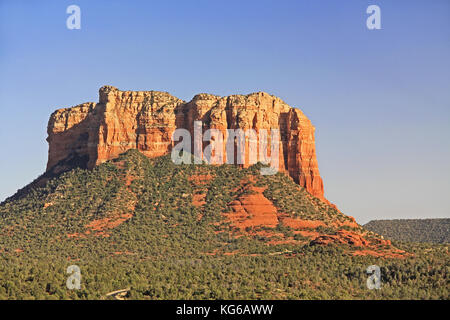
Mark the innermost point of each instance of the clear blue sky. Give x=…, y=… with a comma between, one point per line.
x=380, y=99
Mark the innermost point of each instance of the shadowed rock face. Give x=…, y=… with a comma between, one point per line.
x=92, y=133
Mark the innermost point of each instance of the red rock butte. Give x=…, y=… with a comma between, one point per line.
x=91, y=133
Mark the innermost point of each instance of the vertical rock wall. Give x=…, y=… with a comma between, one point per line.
x=91, y=133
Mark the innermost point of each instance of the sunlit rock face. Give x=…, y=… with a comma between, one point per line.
x=91, y=133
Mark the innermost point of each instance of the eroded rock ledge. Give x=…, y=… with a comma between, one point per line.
x=91, y=133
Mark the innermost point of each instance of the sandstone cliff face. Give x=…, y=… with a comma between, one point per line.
x=91, y=133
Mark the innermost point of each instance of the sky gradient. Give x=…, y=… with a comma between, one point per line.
x=379, y=99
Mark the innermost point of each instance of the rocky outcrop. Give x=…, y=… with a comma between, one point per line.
x=91, y=133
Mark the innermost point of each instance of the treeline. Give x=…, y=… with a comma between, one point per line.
x=412, y=230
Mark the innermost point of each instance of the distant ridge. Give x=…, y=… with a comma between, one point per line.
x=412, y=230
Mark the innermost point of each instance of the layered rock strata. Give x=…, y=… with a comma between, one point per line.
x=91, y=133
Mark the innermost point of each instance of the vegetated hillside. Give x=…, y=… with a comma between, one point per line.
x=412, y=230
x=169, y=231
